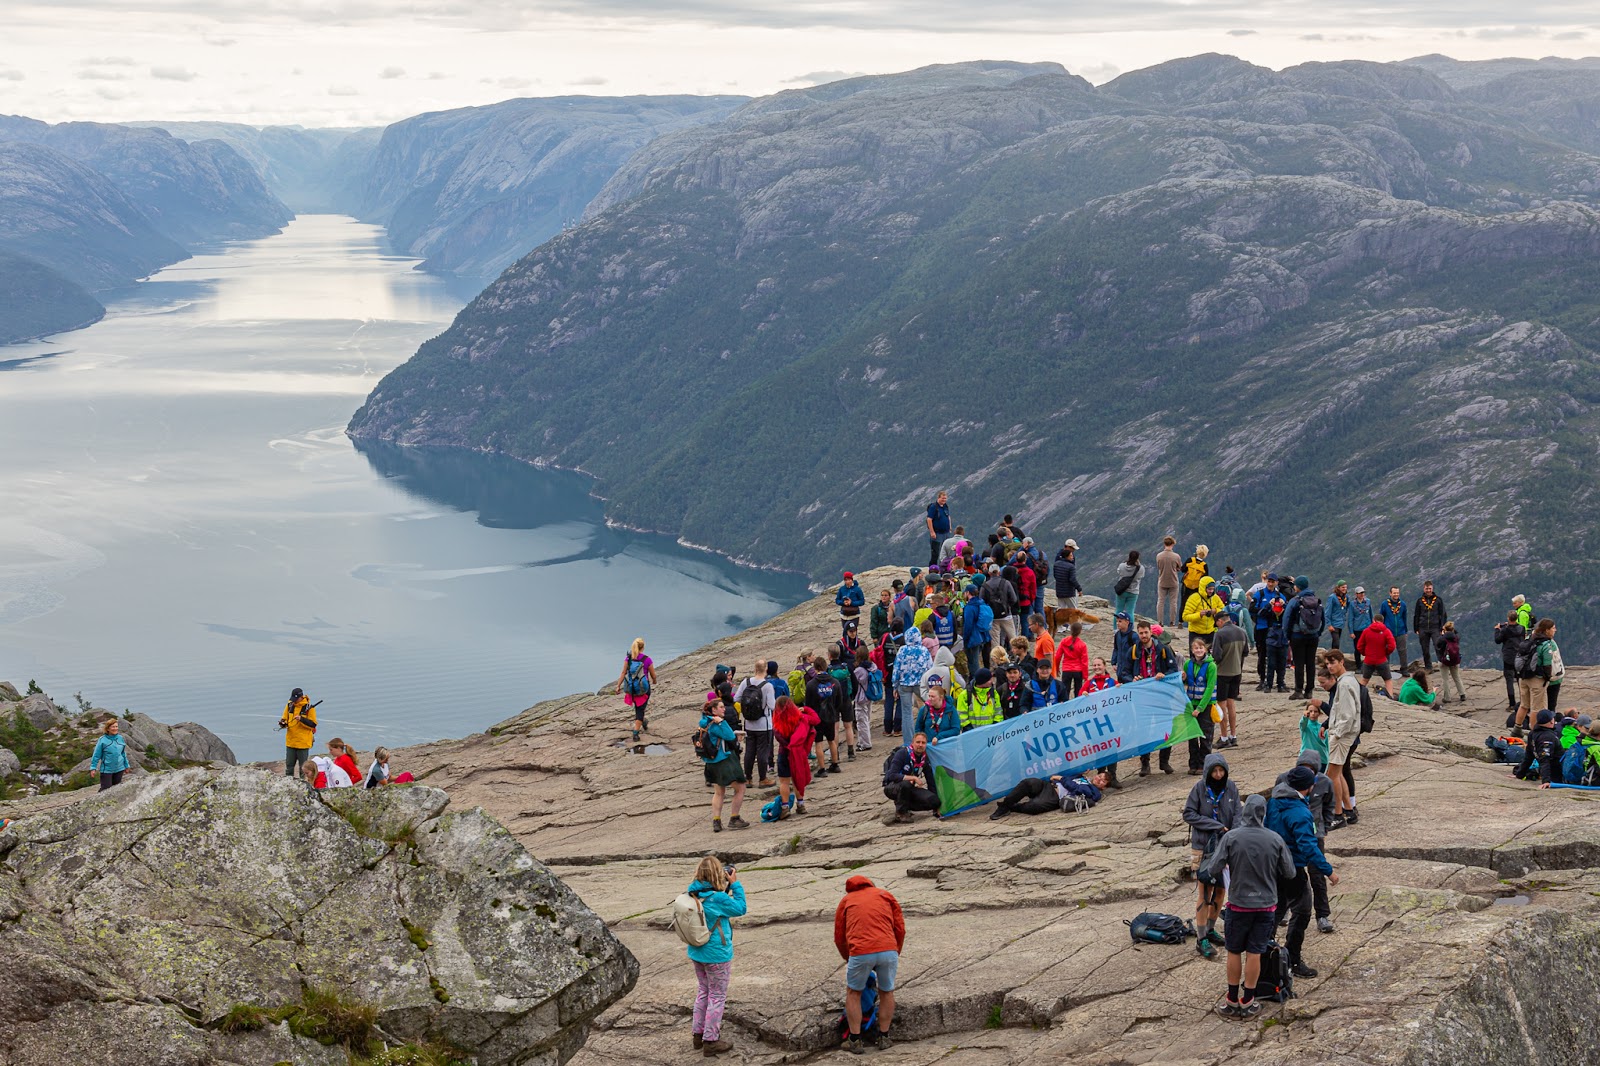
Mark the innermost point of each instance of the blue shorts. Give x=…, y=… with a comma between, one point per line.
x=883, y=963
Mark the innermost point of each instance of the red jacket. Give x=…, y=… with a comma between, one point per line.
x=1027, y=585
x=868, y=920
x=1072, y=656
x=1375, y=644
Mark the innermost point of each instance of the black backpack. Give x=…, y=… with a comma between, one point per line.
x=1276, y=983
x=1366, y=709
x=1124, y=583
x=1308, y=616
x=752, y=701
x=1527, y=655
x=1153, y=928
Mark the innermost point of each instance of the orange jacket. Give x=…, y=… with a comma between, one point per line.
x=868, y=920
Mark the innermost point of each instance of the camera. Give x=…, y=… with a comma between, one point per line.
x=727, y=869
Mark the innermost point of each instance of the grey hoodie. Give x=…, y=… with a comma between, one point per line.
x=1207, y=815
x=1256, y=859
x=1320, y=798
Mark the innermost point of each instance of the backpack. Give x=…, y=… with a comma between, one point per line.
x=874, y=684
x=1366, y=709
x=1276, y=983
x=869, y=1009
x=1449, y=651
x=887, y=760
x=797, y=685
x=637, y=681
x=752, y=702
x=1527, y=656
x=769, y=813
x=1153, y=928
x=1193, y=571
x=1308, y=616
x=689, y=920
x=705, y=745
x=1124, y=583
x=1572, y=764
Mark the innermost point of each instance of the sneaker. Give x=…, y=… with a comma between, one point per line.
x=1336, y=823
x=800, y=808
x=716, y=825
x=1463, y=697
x=1216, y=938
x=737, y=822
x=1324, y=925
x=833, y=768
x=1229, y=1009
x=854, y=1045
x=1351, y=817
x=1206, y=948
x=997, y=814
x=850, y=752
x=764, y=783
x=882, y=1041
x=1250, y=1010
x=1300, y=969
x=1283, y=688
x=715, y=1048
x=904, y=819
x=1194, y=771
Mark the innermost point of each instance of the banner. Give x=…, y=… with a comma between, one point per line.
x=1068, y=738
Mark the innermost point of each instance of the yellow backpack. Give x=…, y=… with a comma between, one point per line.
x=1193, y=571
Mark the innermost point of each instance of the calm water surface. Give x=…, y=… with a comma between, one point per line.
x=186, y=531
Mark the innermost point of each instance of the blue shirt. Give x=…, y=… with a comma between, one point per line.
x=110, y=754
x=1394, y=616
x=940, y=514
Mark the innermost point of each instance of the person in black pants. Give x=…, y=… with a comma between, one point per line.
x=938, y=521
x=908, y=777
x=1510, y=635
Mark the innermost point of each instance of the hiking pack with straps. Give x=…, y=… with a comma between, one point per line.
x=1193, y=571
x=1124, y=583
x=752, y=701
x=1276, y=982
x=1155, y=928
x=1367, y=720
x=689, y=919
x=1527, y=657
x=705, y=745
x=1308, y=616
x=1578, y=765
x=874, y=683
x=637, y=681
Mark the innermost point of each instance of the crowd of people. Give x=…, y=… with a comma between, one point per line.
x=338, y=768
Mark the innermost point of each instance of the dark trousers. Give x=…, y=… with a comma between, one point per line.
x=933, y=551
x=1165, y=760
x=891, y=707
x=1319, y=892
x=758, y=753
x=107, y=780
x=1295, y=899
x=1261, y=654
x=1072, y=681
x=1349, y=775
x=294, y=759
x=1199, y=749
x=1426, y=637
x=1511, y=686
x=980, y=651
x=1031, y=795
x=1305, y=662
x=908, y=797
x=1334, y=636
x=1277, y=664
x=1551, y=694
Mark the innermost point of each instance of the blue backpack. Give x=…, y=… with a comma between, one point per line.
x=1577, y=768
x=874, y=684
x=637, y=681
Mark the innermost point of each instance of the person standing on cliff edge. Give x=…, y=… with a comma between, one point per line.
x=938, y=521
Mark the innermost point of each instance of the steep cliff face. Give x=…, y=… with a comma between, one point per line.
x=474, y=189
x=1301, y=313
x=310, y=170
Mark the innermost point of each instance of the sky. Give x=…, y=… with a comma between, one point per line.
x=370, y=62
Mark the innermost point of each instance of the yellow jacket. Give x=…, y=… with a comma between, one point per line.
x=1194, y=612
x=300, y=735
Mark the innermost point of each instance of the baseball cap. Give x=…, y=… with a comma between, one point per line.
x=1071, y=544
x=1273, y=576
x=1546, y=717
x=1361, y=589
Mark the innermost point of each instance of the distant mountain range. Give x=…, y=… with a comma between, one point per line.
x=1338, y=318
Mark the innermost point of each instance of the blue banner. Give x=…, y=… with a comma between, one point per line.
x=1068, y=738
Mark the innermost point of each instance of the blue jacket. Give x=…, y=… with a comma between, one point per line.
x=110, y=754
x=1394, y=618
x=723, y=733
x=1259, y=606
x=1360, y=614
x=1292, y=606
x=1289, y=815
x=976, y=619
x=1065, y=572
x=1122, y=654
x=718, y=907
x=1046, y=696
x=1337, y=614
x=903, y=761
x=949, y=725
x=944, y=627
x=850, y=594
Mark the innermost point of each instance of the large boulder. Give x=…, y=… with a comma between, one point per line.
x=9, y=763
x=9, y=693
x=158, y=906
x=186, y=741
x=39, y=710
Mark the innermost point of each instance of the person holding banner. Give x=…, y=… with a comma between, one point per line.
x=908, y=779
x=1211, y=810
x=1150, y=657
x=979, y=704
x=938, y=720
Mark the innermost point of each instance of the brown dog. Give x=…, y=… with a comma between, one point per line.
x=1057, y=618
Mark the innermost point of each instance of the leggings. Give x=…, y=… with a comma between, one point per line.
x=1032, y=795
x=107, y=780
x=1551, y=694
x=711, y=996
x=294, y=759
x=1072, y=684
x=638, y=713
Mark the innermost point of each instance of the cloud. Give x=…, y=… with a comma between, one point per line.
x=220, y=42
x=593, y=79
x=1569, y=35
x=392, y=72
x=822, y=77
x=12, y=75
x=437, y=75
x=105, y=92
x=343, y=90
x=1312, y=37
x=97, y=74
x=1503, y=33
x=1098, y=72
x=511, y=83
x=173, y=73
x=107, y=61
x=1241, y=33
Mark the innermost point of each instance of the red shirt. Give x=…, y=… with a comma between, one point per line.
x=868, y=920
x=1072, y=656
x=1375, y=644
x=348, y=765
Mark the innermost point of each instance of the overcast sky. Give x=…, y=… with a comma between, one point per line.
x=366, y=62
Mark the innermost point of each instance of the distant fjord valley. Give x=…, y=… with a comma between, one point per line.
x=1367, y=291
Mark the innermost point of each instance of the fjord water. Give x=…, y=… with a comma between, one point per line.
x=187, y=532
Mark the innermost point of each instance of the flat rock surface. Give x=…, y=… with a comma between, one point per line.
x=1016, y=949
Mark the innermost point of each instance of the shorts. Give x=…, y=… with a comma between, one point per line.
x=1339, y=749
x=1228, y=687
x=725, y=772
x=783, y=761
x=1530, y=693
x=826, y=730
x=1249, y=932
x=1381, y=669
x=882, y=963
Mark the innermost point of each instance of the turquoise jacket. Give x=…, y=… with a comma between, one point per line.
x=718, y=907
x=110, y=754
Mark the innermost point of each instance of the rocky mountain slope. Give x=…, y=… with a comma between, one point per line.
x=36, y=300
x=1461, y=887
x=1337, y=317
x=474, y=189
x=310, y=170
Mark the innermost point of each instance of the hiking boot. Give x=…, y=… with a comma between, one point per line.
x=997, y=814
x=850, y=752
x=699, y=1041
x=715, y=1048
x=716, y=825
x=1517, y=732
x=1166, y=768
x=737, y=822
x=882, y=1041
x=1463, y=697
x=1229, y=1009
x=904, y=818
x=1144, y=769
x=635, y=734
x=1283, y=688
x=1194, y=771
x=800, y=808
x=833, y=768
x=1324, y=925
x=1206, y=948
x=1300, y=969
x=1216, y=938
x=1351, y=817
x=853, y=1044
x=1250, y=1010
x=1112, y=782
x=764, y=783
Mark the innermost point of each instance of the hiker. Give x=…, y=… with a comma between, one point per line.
x=1289, y=815
x=1550, y=665
x=721, y=897
x=850, y=599
x=1168, y=582
x=756, y=698
x=1373, y=648
x=887, y=651
x=1266, y=607
x=793, y=727
x=978, y=704
x=378, y=773
x=904, y=607
x=1392, y=613
x=1256, y=860
x=110, y=756
x=1543, y=746
x=1360, y=615
x=938, y=521
x=870, y=932
x=1100, y=677
x=322, y=772
x=300, y=720
x=1276, y=639
x=823, y=696
x=1130, y=575
x=1510, y=635
x=954, y=545
x=1000, y=593
x=1523, y=610
x=1320, y=800
x=1045, y=688
x=718, y=750
x=848, y=643
x=938, y=720
x=1044, y=644
x=1152, y=658
x=1343, y=730
x=1448, y=646
x=1015, y=691
x=1200, y=684
x=1428, y=617
x=1228, y=648
x=1202, y=611
x=341, y=753
x=1071, y=660
x=1531, y=673
x=1210, y=811
x=1035, y=795
x=908, y=779
x=868, y=688
x=1338, y=613
x=878, y=619
x=635, y=682
x=1027, y=585
x=1064, y=571
x=1122, y=641
x=841, y=668
x=1303, y=622
x=1416, y=692
x=1194, y=572
x=977, y=621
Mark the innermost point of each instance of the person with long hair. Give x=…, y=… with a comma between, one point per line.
x=1132, y=572
x=721, y=898
x=635, y=682
x=794, y=726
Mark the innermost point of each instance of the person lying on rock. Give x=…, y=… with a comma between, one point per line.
x=1036, y=795
x=1256, y=859
x=908, y=779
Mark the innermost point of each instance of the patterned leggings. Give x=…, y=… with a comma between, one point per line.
x=711, y=998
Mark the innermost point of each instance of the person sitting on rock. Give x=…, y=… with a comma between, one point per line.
x=341, y=753
x=1417, y=692
x=378, y=773
x=322, y=772
x=1256, y=859
x=1544, y=746
x=1036, y=795
x=908, y=779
